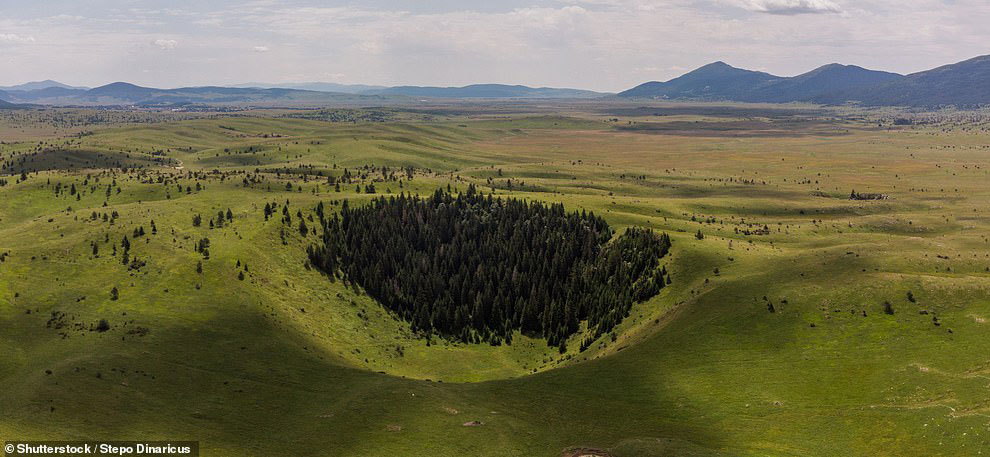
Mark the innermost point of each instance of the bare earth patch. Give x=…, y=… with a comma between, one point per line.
x=585, y=452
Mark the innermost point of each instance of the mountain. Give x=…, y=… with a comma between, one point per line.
x=37, y=85
x=122, y=93
x=715, y=81
x=720, y=81
x=820, y=82
x=316, y=86
x=48, y=92
x=7, y=105
x=963, y=84
x=125, y=91
x=472, y=91
x=486, y=91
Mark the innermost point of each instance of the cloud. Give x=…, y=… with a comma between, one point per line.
x=789, y=7
x=166, y=44
x=15, y=38
x=597, y=44
x=260, y=49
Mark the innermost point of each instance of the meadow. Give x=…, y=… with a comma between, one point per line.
x=799, y=321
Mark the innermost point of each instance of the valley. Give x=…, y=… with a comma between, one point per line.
x=796, y=320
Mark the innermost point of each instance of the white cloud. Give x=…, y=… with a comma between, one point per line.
x=789, y=7
x=15, y=38
x=260, y=49
x=594, y=44
x=166, y=44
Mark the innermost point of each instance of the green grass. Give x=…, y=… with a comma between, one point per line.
x=287, y=362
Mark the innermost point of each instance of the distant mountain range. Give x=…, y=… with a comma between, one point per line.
x=257, y=94
x=36, y=85
x=319, y=87
x=488, y=91
x=471, y=91
x=126, y=94
x=964, y=84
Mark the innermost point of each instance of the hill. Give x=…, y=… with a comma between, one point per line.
x=302, y=94
x=820, y=82
x=122, y=93
x=962, y=84
x=487, y=91
x=48, y=92
x=720, y=81
x=317, y=86
x=38, y=85
x=715, y=81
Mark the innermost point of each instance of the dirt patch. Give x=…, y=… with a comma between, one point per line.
x=585, y=452
x=473, y=424
x=450, y=410
x=713, y=110
x=734, y=129
x=393, y=428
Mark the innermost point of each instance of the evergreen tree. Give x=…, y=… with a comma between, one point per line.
x=473, y=266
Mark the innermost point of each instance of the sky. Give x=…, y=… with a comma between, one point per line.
x=606, y=45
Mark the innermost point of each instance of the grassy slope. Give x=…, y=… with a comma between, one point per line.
x=703, y=369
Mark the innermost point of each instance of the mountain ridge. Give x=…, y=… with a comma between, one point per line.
x=38, y=85
x=487, y=91
x=124, y=93
x=128, y=94
x=314, y=86
x=963, y=84
x=960, y=84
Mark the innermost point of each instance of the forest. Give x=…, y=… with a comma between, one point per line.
x=475, y=267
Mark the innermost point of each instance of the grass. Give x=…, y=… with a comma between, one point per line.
x=287, y=362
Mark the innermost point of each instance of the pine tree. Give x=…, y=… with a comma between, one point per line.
x=474, y=267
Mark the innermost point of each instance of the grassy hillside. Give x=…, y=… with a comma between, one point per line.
x=286, y=362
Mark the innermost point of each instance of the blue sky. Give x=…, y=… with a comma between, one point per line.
x=605, y=45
